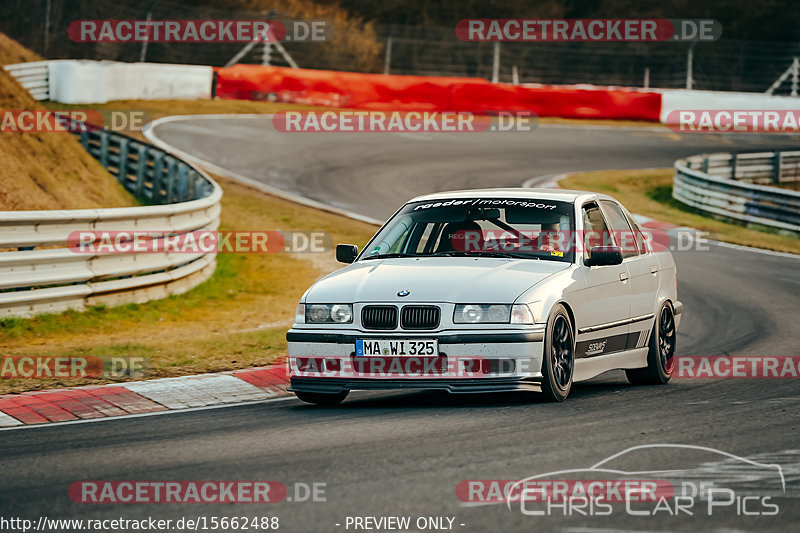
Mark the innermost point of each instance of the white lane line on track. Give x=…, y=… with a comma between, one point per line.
x=545, y=181
x=756, y=250
x=142, y=415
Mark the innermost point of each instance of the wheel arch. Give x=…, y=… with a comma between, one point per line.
x=570, y=314
x=660, y=301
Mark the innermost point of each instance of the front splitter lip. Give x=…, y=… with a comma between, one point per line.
x=456, y=386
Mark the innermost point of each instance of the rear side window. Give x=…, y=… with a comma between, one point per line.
x=624, y=236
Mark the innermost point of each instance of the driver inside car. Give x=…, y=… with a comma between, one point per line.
x=464, y=236
x=550, y=238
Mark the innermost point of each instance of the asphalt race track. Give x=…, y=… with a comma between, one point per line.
x=403, y=454
x=388, y=168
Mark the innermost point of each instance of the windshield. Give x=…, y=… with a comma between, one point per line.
x=494, y=227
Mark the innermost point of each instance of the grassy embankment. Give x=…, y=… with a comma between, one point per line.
x=47, y=170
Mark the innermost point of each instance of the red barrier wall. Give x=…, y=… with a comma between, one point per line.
x=433, y=93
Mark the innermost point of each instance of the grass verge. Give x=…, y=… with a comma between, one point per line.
x=155, y=109
x=649, y=192
x=237, y=319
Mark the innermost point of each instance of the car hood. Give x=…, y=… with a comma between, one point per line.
x=433, y=279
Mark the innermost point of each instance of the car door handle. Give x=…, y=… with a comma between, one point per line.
x=653, y=269
x=623, y=276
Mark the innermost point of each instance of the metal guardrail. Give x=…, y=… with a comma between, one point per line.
x=34, y=76
x=44, y=275
x=733, y=186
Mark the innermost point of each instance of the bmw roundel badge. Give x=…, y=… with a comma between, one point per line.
x=403, y=293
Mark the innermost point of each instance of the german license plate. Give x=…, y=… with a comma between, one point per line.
x=404, y=347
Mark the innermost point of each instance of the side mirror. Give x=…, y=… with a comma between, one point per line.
x=346, y=253
x=604, y=256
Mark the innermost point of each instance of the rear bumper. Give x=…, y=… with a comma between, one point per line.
x=481, y=385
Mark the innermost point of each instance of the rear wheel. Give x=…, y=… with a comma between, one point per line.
x=559, y=356
x=322, y=398
x=661, y=353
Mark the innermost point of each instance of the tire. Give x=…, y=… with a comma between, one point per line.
x=325, y=399
x=660, y=356
x=558, y=364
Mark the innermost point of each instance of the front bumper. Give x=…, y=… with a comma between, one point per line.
x=510, y=361
x=466, y=337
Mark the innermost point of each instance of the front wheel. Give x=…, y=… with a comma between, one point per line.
x=661, y=353
x=322, y=398
x=559, y=356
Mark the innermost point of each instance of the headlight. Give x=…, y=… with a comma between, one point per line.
x=342, y=314
x=300, y=314
x=482, y=314
x=492, y=314
x=328, y=313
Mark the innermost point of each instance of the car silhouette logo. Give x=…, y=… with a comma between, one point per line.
x=403, y=293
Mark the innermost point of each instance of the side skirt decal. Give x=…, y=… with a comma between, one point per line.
x=613, y=344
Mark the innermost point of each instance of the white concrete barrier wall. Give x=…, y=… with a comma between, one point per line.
x=87, y=82
x=673, y=100
x=97, y=82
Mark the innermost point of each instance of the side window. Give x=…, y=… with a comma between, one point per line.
x=623, y=234
x=595, y=230
x=640, y=236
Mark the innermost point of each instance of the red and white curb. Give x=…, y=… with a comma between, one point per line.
x=138, y=397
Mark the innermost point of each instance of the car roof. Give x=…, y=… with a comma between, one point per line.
x=564, y=195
